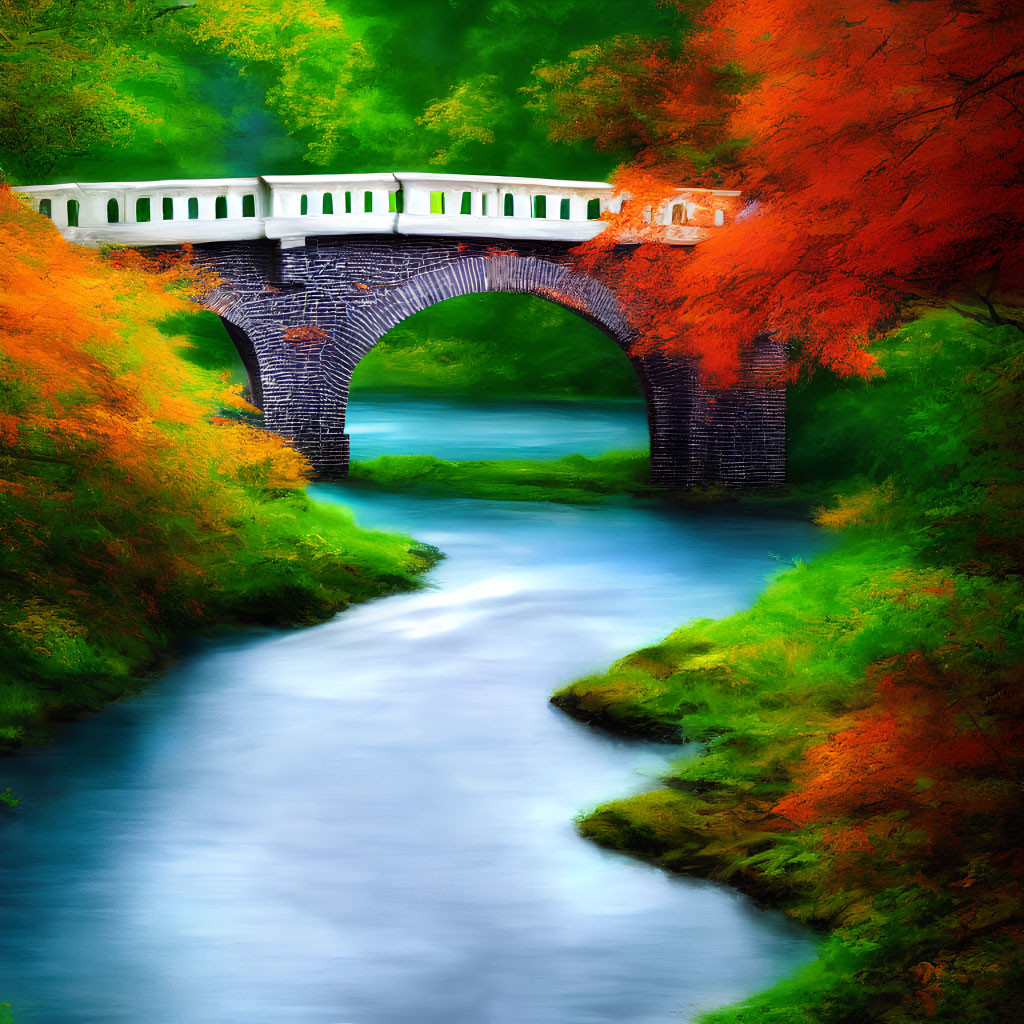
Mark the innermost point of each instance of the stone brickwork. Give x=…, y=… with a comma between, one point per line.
x=303, y=317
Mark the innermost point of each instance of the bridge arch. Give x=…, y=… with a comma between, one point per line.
x=302, y=318
x=667, y=388
x=508, y=272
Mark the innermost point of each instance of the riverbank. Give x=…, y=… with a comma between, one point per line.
x=861, y=721
x=391, y=791
x=572, y=479
x=134, y=501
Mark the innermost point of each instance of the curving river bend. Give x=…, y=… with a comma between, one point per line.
x=370, y=821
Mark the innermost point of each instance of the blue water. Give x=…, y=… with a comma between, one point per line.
x=370, y=821
x=478, y=430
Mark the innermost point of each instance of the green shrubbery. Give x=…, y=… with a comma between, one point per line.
x=499, y=345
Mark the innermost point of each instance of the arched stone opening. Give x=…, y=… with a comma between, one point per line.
x=668, y=388
x=304, y=317
x=502, y=345
x=529, y=374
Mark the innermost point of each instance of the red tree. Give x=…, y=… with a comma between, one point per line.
x=879, y=149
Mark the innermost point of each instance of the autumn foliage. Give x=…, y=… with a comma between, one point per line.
x=138, y=495
x=861, y=722
x=879, y=147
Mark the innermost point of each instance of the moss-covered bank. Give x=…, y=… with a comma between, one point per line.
x=574, y=479
x=862, y=721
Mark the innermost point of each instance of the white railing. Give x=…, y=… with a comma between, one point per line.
x=291, y=208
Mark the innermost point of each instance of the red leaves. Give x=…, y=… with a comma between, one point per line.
x=880, y=159
x=912, y=756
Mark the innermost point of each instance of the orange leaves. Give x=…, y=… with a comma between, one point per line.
x=913, y=755
x=96, y=381
x=929, y=979
x=306, y=336
x=254, y=456
x=879, y=157
x=175, y=269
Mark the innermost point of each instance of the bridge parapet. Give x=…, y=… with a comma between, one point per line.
x=290, y=208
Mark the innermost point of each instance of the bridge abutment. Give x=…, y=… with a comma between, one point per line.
x=733, y=436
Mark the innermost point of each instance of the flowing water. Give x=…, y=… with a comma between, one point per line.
x=370, y=821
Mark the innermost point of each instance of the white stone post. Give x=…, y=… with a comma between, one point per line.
x=92, y=211
x=417, y=199
x=59, y=210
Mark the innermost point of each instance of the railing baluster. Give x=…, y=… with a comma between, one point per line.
x=474, y=206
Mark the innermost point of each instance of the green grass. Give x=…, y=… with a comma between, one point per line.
x=574, y=479
x=862, y=755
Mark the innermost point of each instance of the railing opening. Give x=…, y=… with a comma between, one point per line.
x=594, y=209
x=193, y=209
x=678, y=210
x=348, y=202
x=485, y=204
x=44, y=208
x=328, y=203
x=142, y=211
x=220, y=208
x=510, y=205
x=249, y=206
x=367, y=202
x=437, y=202
x=540, y=206
x=113, y=213
x=467, y=203
x=72, y=213
x=396, y=202
x=168, y=208
x=565, y=209
x=303, y=205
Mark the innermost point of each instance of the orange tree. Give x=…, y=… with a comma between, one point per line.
x=137, y=493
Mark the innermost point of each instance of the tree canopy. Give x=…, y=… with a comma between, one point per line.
x=879, y=147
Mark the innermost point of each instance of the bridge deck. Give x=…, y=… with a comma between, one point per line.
x=290, y=208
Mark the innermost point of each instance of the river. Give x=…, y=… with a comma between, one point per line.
x=370, y=821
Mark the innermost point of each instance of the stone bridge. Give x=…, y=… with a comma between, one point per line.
x=315, y=269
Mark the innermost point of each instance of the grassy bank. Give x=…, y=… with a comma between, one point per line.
x=135, y=501
x=574, y=479
x=863, y=747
